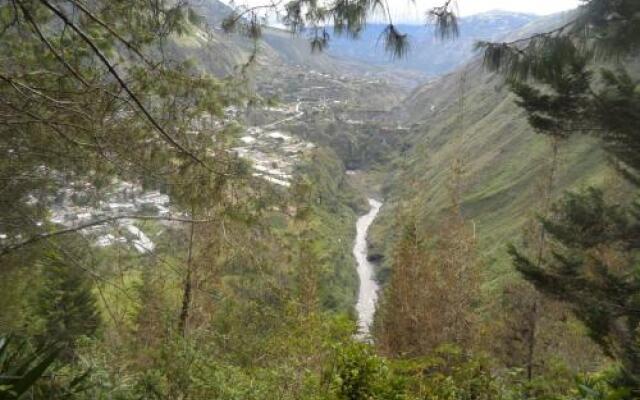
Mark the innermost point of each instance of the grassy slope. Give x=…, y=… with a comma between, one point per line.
x=504, y=161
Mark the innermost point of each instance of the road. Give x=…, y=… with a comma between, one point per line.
x=298, y=114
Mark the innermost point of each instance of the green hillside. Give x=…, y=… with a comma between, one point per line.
x=195, y=212
x=504, y=161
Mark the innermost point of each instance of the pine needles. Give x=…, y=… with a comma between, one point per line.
x=396, y=44
x=445, y=21
x=319, y=41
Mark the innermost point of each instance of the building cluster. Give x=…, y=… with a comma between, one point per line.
x=75, y=207
x=272, y=153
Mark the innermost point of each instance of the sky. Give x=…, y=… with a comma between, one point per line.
x=469, y=7
x=413, y=11
x=408, y=11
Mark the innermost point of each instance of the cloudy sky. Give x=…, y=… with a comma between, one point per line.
x=541, y=7
x=408, y=11
x=413, y=11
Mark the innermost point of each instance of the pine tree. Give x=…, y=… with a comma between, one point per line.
x=592, y=264
x=593, y=267
x=396, y=327
x=433, y=289
x=67, y=305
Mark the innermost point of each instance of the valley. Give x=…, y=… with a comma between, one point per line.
x=196, y=204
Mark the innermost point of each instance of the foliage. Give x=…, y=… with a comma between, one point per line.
x=19, y=370
x=450, y=373
x=593, y=268
x=358, y=374
x=592, y=263
x=67, y=304
x=432, y=290
x=602, y=29
x=61, y=88
x=345, y=17
x=28, y=371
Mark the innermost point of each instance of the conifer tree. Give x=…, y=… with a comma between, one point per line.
x=433, y=289
x=593, y=267
x=67, y=305
x=592, y=263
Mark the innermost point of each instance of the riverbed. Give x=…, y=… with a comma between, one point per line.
x=368, y=291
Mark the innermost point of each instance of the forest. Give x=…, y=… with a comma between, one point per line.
x=308, y=200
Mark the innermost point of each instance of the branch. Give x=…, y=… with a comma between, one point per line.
x=127, y=43
x=167, y=137
x=48, y=235
x=230, y=22
x=64, y=62
x=14, y=83
x=50, y=124
x=543, y=34
x=13, y=21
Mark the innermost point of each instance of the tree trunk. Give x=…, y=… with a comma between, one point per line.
x=531, y=339
x=186, y=293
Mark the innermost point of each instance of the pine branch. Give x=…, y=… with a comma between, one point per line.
x=230, y=22
x=51, y=124
x=445, y=21
x=94, y=48
x=115, y=34
x=44, y=40
x=550, y=33
x=49, y=235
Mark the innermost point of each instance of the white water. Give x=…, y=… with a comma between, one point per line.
x=368, y=293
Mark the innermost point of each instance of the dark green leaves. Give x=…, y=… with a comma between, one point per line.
x=348, y=17
x=249, y=26
x=603, y=29
x=18, y=371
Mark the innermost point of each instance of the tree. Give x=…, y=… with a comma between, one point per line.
x=358, y=374
x=593, y=268
x=553, y=74
x=592, y=265
x=433, y=288
x=88, y=95
x=342, y=17
x=67, y=305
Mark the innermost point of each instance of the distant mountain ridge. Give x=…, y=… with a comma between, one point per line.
x=279, y=52
x=428, y=57
x=429, y=54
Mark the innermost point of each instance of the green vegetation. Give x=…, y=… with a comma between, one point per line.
x=152, y=249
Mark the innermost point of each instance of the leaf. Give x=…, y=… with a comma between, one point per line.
x=29, y=379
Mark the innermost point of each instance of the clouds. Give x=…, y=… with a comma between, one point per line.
x=541, y=7
x=408, y=11
x=413, y=11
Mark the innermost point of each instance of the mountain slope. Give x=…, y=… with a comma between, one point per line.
x=277, y=51
x=429, y=54
x=470, y=116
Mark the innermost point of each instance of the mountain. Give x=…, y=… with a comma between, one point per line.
x=470, y=115
x=278, y=53
x=428, y=54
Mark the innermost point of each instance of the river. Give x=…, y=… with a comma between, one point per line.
x=368, y=292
